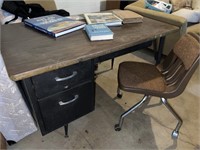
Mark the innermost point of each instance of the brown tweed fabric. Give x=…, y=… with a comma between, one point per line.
x=136, y=75
x=187, y=49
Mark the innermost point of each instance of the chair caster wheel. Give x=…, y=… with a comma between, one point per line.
x=175, y=134
x=119, y=95
x=117, y=128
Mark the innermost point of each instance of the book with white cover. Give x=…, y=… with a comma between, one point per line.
x=108, y=19
x=97, y=32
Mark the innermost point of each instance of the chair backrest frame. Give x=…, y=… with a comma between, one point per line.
x=175, y=72
x=180, y=83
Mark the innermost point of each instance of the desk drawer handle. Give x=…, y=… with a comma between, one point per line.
x=66, y=78
x=71, y=101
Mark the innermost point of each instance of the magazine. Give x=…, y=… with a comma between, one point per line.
x=108, y=19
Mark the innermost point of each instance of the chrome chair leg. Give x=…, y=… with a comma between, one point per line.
x=175, y=132
x=119, y=125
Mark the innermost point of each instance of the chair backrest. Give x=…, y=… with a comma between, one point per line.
x=180, y=64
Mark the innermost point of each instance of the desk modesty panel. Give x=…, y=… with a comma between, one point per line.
x=27, y=52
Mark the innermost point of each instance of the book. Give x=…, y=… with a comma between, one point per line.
x=76, y=17
x=54, y=25
x=128, y=16
x=108, y=19
x=97, y=32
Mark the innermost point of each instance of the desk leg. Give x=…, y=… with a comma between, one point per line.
x=66, y=130
x=158, y=54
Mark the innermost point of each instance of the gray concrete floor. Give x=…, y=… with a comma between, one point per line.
x=148, y=128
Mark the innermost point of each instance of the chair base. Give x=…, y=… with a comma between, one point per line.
x=175, y=132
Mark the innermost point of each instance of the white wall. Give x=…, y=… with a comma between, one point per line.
x=75, y=7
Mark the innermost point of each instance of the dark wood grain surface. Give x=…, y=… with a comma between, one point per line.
x=27, y=52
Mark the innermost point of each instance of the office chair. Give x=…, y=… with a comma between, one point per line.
x=166, y=80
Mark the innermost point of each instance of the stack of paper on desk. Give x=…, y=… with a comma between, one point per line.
x=128, y=16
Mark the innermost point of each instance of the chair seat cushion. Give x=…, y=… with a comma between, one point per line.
x=137, y=76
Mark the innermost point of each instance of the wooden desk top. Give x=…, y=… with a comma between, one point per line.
x=27, y=52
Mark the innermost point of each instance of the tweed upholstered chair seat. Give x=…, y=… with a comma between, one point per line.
x=134, y=78
x=166, y=80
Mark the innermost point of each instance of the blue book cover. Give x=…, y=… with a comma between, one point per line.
x=98, y=32
x=54, y=25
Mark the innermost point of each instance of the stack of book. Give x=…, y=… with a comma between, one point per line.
x=54, y=25
x=97, y=25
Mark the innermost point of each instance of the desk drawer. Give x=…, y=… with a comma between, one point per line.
x=67, y=106
x=61, y=79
